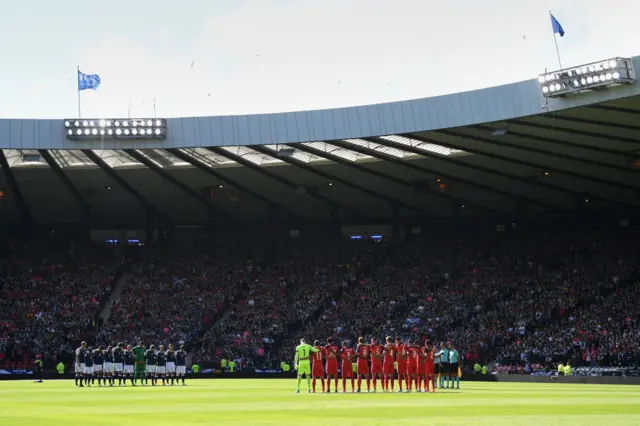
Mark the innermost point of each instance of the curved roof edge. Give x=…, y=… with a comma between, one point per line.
x=455, y=110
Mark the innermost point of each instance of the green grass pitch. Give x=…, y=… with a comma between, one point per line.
x=273, y=402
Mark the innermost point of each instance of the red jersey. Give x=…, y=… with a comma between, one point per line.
x=388, y=367
x=376, y=354
x=429, y=365
x=413, y=355
x=422, y=353
x=347, y=357
x=318, y=356
x=431, y=356
x=331, y=353
x=332, y=359
x=422, y=359
x=402, y=353
x=363, y=353
x=389, y=352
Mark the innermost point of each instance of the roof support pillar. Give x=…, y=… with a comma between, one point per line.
x=289, y=184
x=203, y=167
x=77, y=195
x=23, y=208
x=149, y=207
x=318, y=172
x=175, y=182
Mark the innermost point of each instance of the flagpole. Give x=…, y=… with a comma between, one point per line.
x=154, y=108
x=555, y=40
x=78, y=87
x=129, y=113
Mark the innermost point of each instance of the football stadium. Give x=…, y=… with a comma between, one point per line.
x=469, y=258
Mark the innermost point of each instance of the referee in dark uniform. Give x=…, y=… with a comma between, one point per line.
x=37, y=370
x=444, y=364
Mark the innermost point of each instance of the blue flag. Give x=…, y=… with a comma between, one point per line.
x=557, y=28
x=88, y=81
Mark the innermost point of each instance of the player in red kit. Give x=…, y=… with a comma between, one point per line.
x=362, y=352
x=317, y=370
x=402, y=357
x=347, y=356
x=387, y=367
x=376, y=363
x=422, y=360
x=430, y=368
x=412, y=365
x=332, y=364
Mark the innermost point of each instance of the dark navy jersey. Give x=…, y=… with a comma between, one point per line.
x=108, y=356
x=128, y=357
x=162, y=359
x=151, y=357
x=80, y=355
x=88, y=359
x=118, y=355
x=98, y=357
x=181, y=358
x=171, y=356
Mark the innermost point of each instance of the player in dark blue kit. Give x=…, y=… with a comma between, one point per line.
x=98, y=362
x=108, y=366
x=118, y=364
x=129, y=366
x=119, y=361
x=181, y=364
x=171, y=364
x=152, y=360
x=88, y=369
x=161, y=368
x=80, y=365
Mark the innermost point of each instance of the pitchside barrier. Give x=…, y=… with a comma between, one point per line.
x=594, y=380
x=270, y=374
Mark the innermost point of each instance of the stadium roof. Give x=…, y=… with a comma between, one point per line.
x=584, y=157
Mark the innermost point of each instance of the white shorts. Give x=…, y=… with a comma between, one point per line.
x=97, y=368
x=181, y=370
x=128, y=368
x=108, y=367
x=88, y=370
x=79, y=368
x=151, y=369
x=161, y=369
x=171, y=367
x=118, y=367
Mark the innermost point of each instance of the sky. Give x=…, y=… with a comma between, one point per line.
x=221, y=57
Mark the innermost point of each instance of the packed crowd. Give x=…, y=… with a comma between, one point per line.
x=279, y=298
x=597, y=321
x=519, y=298
x=524, y=299
x=171, y=297
x=51, y=297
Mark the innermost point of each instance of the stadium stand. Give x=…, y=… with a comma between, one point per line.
x=282, y=297
x=171, y=300
x=51, y=298
x=524, y=300
x=487, y=218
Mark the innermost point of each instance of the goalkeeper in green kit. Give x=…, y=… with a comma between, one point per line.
x=140, y=363
x=302, y=363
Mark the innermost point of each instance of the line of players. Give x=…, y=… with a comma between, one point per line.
x=416, y=365
x=120, y=363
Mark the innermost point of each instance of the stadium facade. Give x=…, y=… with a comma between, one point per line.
x=504, y=151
